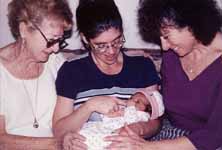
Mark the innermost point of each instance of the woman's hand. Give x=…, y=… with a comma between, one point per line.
x=105, y=104
x=74, y=141
x=131, y=141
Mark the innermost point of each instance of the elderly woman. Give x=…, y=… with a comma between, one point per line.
x=190, y=35
x=28, y=70
x=91, y=84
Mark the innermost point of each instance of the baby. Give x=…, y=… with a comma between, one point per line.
x=142, y=106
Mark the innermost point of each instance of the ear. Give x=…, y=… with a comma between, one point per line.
x=23, y=29
x=84, y=38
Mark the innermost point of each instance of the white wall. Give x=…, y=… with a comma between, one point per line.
x=128, y=10
x=220, y=3
x=5, y=35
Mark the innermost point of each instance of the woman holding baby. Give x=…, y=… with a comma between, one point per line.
x=93, y=85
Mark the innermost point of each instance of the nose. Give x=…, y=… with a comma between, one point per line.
x=110, y=49
x=55, y=48
x=165, y=44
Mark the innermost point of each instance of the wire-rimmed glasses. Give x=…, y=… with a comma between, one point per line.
x=116, y=43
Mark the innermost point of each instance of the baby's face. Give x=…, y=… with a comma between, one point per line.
x=139, y=101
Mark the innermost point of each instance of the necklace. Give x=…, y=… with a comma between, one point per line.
x=190, y=70
x=34, y=108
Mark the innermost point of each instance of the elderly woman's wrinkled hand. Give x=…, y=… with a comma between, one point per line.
x=74, y=141
x=129, y=141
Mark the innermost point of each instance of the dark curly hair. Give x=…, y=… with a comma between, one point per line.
x=35, y=11
x=96, y=16
x=202, y=17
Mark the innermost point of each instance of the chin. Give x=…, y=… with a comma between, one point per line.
x=111, y=61
x=182, y=54
x=44, y=59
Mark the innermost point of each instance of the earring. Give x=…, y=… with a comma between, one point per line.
x=23, y=43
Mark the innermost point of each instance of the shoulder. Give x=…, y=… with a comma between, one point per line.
x=169, y=55
x=146, y=55
x=170, y=58
x=79, y=63
x=75, y=67
x=138, y=61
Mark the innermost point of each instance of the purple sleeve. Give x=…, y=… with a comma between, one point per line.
x=210, y=136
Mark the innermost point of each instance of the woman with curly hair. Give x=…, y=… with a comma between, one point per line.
x=189, y=33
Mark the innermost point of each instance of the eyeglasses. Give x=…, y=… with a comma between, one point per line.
x=51, y=42
x=116, y=43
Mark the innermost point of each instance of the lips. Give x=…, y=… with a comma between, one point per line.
x=110, y=58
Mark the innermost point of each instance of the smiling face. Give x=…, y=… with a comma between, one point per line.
x=106, y=46
x=37, y=44
x=180, y=40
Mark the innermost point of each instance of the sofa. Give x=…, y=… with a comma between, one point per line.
x=154, y=54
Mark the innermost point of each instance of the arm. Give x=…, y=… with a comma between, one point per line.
x=152, y=88
x=132, y=141
x=145, y=129
x=182, y=143
x=67, y=119
x=16, y=142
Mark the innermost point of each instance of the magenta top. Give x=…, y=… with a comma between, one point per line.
x=194, y=105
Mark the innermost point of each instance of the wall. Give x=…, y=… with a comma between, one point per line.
x=127, y=9
x=5, y=35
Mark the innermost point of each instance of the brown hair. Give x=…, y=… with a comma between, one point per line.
x=35, y=11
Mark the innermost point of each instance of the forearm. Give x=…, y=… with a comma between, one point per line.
x=145, y=129
x=152, y=88
x=72, y=122
x=182, y=143
x=15, y=142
